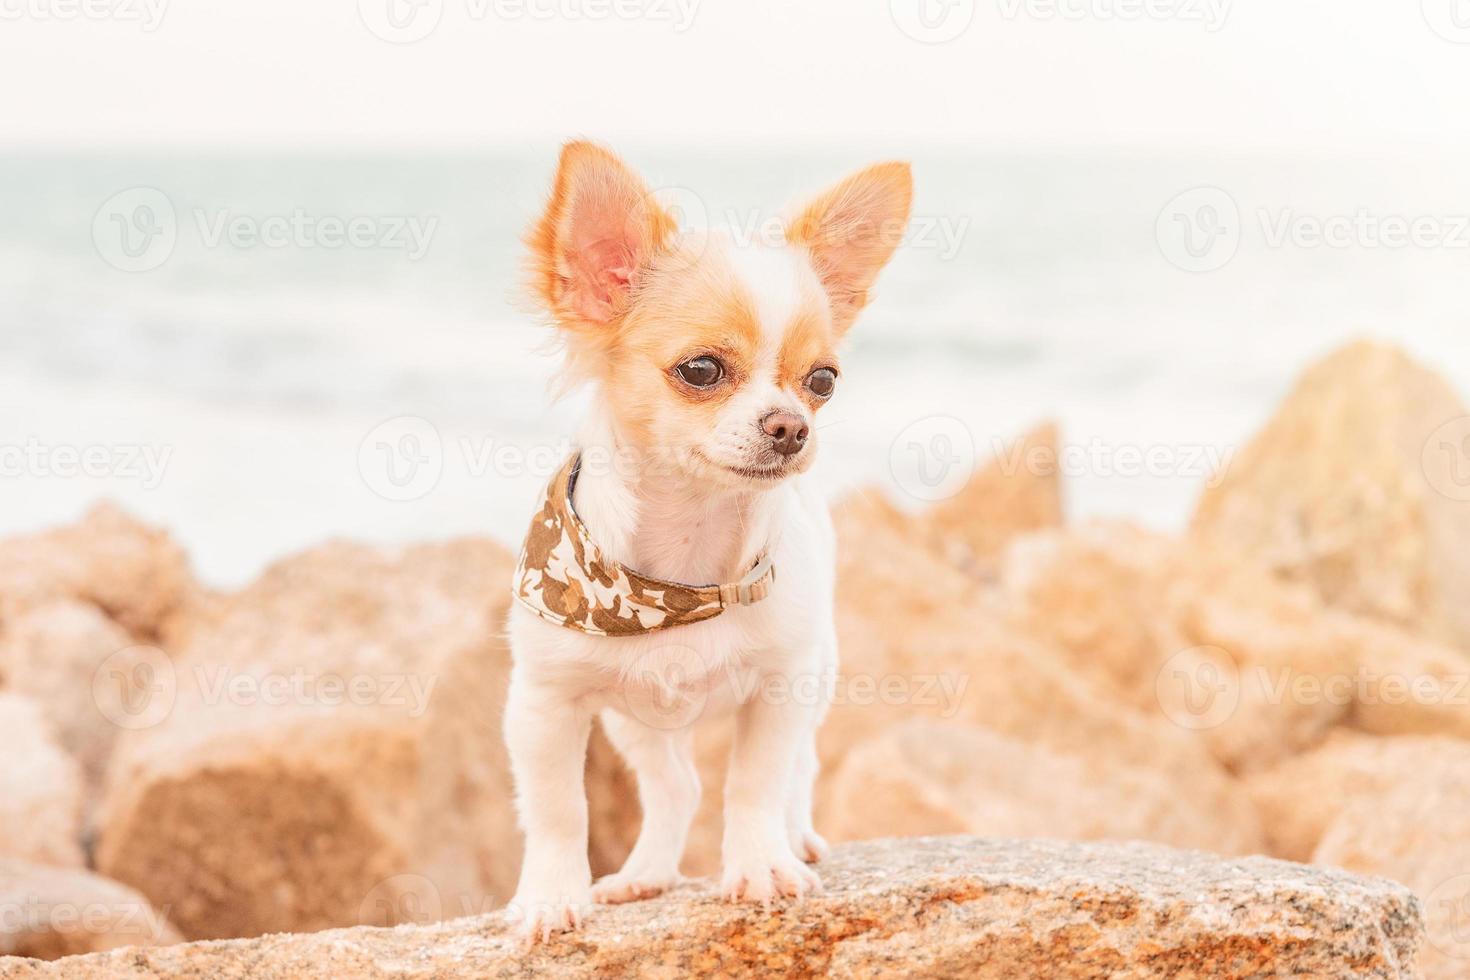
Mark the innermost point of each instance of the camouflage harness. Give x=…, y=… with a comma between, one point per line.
x=564, y=578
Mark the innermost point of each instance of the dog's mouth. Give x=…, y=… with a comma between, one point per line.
x=760, y=474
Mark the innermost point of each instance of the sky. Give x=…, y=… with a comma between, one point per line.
x=421, y=74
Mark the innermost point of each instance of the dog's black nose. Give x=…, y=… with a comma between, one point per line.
x=788, y=432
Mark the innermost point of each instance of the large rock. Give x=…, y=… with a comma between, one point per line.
x=48, y=913
x=40, y=789
x=1415, y=833
x=136, y=574
x=1360, y=486
x=927, y=908
x=1188, y=630
x=1300, y=799
x=923, y=777
x=326, y=751
x=1405, y=684
x=84, y=669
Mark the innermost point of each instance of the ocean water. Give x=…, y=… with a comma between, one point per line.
x=260, y=352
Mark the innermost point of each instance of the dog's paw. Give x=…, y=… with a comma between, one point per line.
x=632, y=885
x=809, y=845
x=759, y=878
x=538, y=919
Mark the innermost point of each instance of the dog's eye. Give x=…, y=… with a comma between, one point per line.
x=822, y=382
x=701, y=372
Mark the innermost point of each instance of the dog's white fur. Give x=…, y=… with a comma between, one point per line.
x=678, y=524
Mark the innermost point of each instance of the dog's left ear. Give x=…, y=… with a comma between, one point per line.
x=852, y=231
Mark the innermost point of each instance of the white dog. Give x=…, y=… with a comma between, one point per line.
x=709, y=359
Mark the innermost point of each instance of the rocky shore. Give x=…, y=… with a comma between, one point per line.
x=1290, y=677
x=926, y=907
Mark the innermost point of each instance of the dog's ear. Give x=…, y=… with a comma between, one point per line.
x=599, y=231
x=852, y=231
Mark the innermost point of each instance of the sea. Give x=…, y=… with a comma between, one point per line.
x=260, y=351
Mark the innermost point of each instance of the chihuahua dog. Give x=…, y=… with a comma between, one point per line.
x=677, y=561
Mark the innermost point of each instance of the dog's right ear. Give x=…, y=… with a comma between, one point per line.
x=599, y=231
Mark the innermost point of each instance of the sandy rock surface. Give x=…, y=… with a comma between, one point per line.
x=925, y=907
x=54, y=912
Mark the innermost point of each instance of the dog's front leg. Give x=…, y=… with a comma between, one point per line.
x=759, y=863
x=546, y=733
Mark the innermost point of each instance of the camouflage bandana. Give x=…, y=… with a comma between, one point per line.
x=565, y=579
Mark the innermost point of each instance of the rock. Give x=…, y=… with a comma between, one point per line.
x=136, y=574
x=923, y=777
x=55, y=653
x=327, y=750
x=935, y=908
x=1359, y=486
x=1019, y=491
x=919, y=638
x=40, y=790
x=1185, y=629
x=1416, y=833
x=1016, y=493
x=1301, y=798
x=49, y=913
x=1406, y=685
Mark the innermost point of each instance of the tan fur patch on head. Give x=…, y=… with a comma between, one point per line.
x=690, y=305
x=808, y=343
